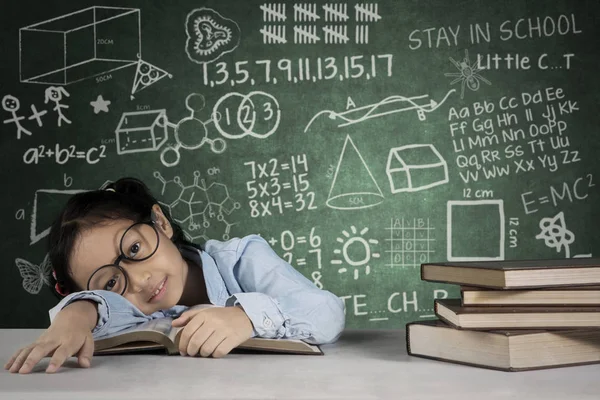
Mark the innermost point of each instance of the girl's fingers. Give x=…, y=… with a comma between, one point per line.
x=85, y=354
x=58, y=358
x=211, y=344
x=224, y=348
x=12, y=359
x=198, y=340
x=187, y=333
x=185, y=317
x=35, y=355
x=20, y=359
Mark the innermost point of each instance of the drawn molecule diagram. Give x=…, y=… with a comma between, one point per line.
x=198, y=207
x=148, y=130
x=190, y=132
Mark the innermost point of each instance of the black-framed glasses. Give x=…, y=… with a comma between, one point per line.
x=138, y=243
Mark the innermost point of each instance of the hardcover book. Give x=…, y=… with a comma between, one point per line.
x=582, y=295
x=506, y=350
x=513, y=317
x=514, y=274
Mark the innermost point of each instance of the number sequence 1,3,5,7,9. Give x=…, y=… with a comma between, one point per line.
x=303, y=69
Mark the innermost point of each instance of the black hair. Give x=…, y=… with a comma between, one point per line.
x=127, y=198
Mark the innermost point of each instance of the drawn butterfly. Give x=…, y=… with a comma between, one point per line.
x=34, y=276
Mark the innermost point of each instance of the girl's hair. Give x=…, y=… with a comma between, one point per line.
x=127, y=198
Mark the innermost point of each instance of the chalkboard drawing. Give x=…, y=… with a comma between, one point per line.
x=12, y=105
x=34, y=276
x=362, y=34
x=100, y=104
x=356, y=251
x=554, y=232
x=389, y=105
x=305, y=12
x=307, y=34
x=198, y=207
x=336, y=12
x=415, y=167
x=476, y=230
x=367, y=12
x=46, y=205
x=410, y=242
x=54, y=94
x=273, y=12
x=468, y=76
x=83, y=44
x=256, y=114
x=190, y=132
x=273, y=34
x=353, y=186
x=209, y=35
x=35, y=114
x=336, y=34
x=140, y=131
x=147, y=130
x=145, y=75
x=309, y=13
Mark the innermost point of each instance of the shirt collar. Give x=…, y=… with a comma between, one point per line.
x=215, y=285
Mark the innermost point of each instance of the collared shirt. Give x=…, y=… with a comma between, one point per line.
x=279, y=301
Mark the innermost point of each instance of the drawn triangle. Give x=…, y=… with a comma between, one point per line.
x=146, y=74
x=353, y=185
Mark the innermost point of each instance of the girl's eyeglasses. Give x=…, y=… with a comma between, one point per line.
x=138, y=243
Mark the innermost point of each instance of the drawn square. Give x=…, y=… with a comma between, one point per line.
x=476, y=230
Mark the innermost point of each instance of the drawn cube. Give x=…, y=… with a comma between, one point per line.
x=140, y=131
x=476, y=230
x=415, y=167
x=79, y=45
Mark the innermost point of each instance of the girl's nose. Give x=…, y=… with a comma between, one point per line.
x=139, y=279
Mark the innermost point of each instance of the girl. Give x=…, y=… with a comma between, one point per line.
x=119, y=260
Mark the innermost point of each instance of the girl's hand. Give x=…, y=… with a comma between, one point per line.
x=69, y=334
x=212, y=331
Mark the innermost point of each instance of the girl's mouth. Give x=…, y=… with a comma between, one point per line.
x=159, y=292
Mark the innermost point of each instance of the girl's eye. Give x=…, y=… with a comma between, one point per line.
x=134, y=250
x=111, y=284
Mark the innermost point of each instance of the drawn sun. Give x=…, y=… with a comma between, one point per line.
x=356, y=251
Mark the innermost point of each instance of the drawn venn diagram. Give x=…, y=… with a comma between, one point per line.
x=236, y=115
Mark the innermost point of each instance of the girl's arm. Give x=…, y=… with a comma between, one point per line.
x=280, y=301
x=115, y=312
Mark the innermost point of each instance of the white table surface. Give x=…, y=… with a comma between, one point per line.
x=363, y=364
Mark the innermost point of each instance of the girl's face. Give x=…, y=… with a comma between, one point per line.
x=165, y=269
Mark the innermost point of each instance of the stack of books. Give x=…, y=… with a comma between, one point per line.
x=513, y=315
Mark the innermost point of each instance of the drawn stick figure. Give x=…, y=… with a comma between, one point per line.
x=55, y=94
x=12, y=105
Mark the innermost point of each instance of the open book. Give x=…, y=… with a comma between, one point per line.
x=158, y=334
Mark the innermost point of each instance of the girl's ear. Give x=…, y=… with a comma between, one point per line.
x=161, y=221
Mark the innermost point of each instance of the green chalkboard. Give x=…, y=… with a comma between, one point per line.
x=359, y=138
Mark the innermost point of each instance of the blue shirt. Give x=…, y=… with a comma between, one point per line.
x=280, y=301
